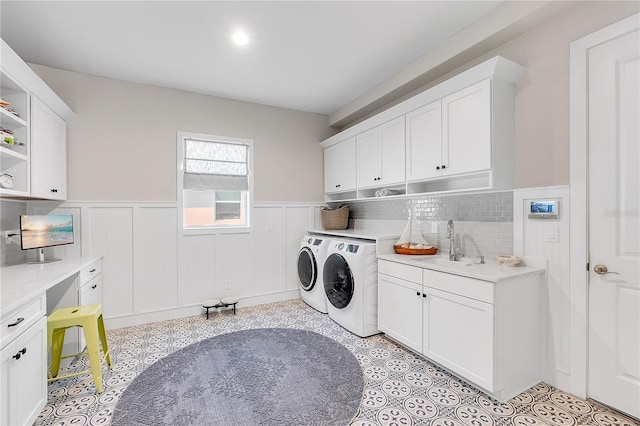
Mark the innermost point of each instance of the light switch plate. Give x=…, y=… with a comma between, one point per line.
x=551, y=233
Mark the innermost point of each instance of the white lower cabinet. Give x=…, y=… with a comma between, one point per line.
x=487, y=333
x=458, y=334
x=23, y=383
x=407, y=297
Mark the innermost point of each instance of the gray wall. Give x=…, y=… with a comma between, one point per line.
x=122, y=140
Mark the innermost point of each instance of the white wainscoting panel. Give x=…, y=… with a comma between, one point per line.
x=196, y=269
x=234, y=274
x=549, y=239
x=155, y=252
x=111, y=234
x=152, y=272
x=269, y=250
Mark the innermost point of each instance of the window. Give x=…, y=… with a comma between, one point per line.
x=214, y=181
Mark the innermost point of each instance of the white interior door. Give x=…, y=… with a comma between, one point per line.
x=614, y=233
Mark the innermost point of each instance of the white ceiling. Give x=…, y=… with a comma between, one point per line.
x=309, y=56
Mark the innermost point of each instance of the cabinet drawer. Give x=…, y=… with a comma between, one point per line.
x=467, y=287
x=12, y=325
x=88, y=272
x=398, y=270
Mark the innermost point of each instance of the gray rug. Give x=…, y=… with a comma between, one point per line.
x=267, y=376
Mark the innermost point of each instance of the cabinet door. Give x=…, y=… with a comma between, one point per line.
x=340, y=167
x=348, y=167
x=91, y=292
x=459, y=335
x=392, y=152
x=368, y=159
x=400, y=310
x=23, y=387
x=424, y=142
x=466, y=117
x=331, y=167
x=6, y=380
x=48, y=153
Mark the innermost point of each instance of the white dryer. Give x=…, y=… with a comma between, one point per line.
x=311, y=256
x=350, y=277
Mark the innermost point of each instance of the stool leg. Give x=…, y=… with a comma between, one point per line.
x=56, y=350
x=93, y=347
x=103, y=339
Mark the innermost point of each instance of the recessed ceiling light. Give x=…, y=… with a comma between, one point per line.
x=241, y=38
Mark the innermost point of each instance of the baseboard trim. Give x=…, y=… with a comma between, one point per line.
x=192, y=310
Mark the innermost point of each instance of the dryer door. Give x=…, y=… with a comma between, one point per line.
x=307, y=269
x=338, y=281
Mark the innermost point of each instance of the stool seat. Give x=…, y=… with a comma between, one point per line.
x=89, y=317
x=67, y=317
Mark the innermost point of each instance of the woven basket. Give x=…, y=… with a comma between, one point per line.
x=335, y=219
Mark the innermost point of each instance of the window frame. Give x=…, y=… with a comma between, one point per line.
x=180, y=155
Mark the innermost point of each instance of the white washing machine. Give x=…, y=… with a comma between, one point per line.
x=350, y=277
x=311, y=256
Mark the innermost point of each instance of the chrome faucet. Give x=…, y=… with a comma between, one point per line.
x=452, y=240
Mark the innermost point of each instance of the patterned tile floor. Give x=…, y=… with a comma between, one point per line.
x=401, y=388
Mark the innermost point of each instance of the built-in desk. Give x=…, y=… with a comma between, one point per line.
x=21, y=283
x=27, y=293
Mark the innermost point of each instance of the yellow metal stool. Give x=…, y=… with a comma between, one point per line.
x=89, y=317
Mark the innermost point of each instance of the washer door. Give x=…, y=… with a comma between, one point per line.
x=307, y=269
x=338, y=280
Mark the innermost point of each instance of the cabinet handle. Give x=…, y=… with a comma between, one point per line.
x=437, y=167
x=18, y=321
x=417, y=293
x=424, y=295
x=444, y=167
x=94, y=286
x=20, y=353
x=54, y=190
x=92, y=271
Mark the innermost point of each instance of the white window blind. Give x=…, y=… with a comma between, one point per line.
x=215, y=165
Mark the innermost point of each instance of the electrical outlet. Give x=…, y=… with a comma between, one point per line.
x=227, y=285
x=434, y=227
x=11, y=236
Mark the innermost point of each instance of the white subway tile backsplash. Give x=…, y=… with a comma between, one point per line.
x=483, y=222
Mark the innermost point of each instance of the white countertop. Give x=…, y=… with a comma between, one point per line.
x=362, y=234
x=24, y=282
x=469, y=267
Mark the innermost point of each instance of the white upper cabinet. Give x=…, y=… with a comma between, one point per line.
x=340, y=167
x=48, y=153
x=466, y=130
x=459, y=137
x=36, y=158
x=424, y=142
x=451, y=136
x=381, y=159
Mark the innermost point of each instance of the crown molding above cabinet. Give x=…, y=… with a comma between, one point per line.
x=456, y=136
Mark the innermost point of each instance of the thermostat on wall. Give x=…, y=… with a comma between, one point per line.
x=543, y=209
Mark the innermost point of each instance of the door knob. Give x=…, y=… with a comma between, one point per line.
x=602, y=270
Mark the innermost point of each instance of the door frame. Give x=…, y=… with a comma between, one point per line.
x=579, y=201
